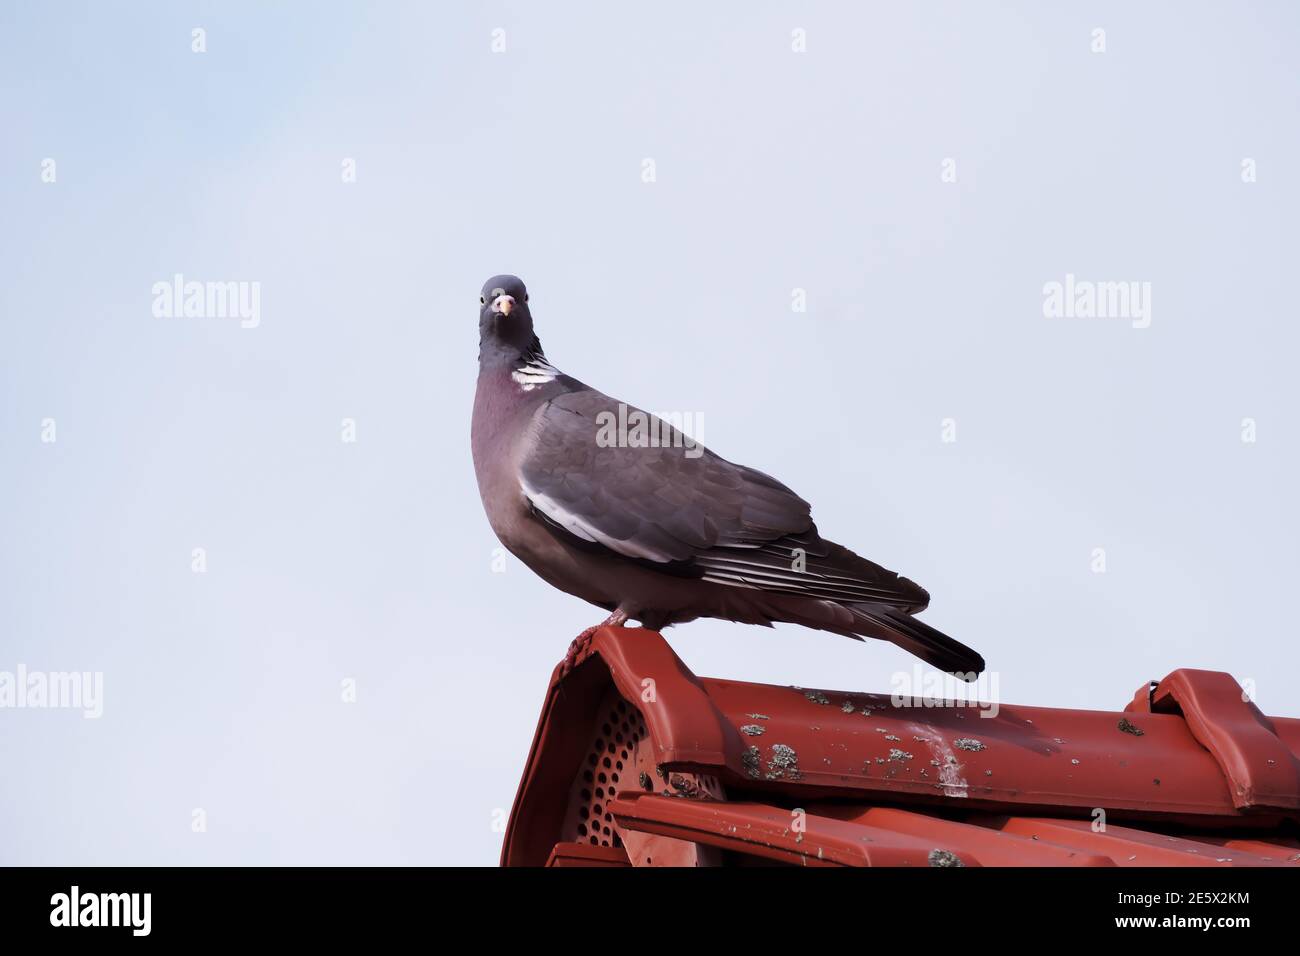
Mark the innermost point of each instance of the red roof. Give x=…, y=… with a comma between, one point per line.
x=636, y=761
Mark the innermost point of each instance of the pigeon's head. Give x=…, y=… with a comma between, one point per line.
x=503, y=316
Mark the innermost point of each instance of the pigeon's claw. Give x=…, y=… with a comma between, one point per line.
x=583, y=640
x=580, y=644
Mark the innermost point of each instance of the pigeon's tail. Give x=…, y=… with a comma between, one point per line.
x=917, y=637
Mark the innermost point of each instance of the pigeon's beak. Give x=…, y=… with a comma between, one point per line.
x=503, y=304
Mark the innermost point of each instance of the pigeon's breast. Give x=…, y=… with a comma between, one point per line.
x=502, y=410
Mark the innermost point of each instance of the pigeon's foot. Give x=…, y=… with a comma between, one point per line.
x=581, y=642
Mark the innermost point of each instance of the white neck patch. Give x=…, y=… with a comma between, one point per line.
x=534, y=372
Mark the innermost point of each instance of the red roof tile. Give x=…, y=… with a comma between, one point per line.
x=636, y=760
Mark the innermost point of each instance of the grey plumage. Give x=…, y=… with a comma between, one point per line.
x=653, y=532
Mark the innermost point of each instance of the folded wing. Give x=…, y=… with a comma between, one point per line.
x=686, y=510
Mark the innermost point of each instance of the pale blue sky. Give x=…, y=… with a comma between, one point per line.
x=775, y=171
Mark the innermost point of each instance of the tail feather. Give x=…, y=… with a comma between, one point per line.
x=917, y=637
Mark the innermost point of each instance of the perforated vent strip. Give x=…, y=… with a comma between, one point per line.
x=619, y=729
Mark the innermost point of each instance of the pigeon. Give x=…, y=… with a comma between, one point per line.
x=660, y=532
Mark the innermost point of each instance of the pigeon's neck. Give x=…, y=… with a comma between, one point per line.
x=518, y=356
x=494, y=353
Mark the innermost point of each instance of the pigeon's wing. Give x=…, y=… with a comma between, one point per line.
x=665, y=502
x=649, y=494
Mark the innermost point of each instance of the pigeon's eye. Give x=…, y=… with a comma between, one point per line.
x=525, y=296
x=482, y=300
